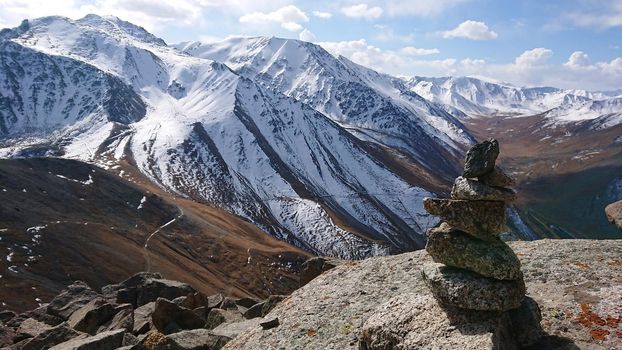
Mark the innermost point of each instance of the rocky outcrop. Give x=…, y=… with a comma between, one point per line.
x=144, y=312
x=614, y=213
x=383, y=303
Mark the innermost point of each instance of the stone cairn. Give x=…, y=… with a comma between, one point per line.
x=474, y=269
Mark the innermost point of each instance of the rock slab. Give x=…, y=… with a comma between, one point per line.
x=614, y=213
x=468, y=290
x=482, y=219
x=492, y=258
x=468, y=189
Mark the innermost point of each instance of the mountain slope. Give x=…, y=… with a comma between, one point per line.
x=374, y=107
x=198, y=129
x=64, y=220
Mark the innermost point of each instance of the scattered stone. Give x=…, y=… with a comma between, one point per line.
x=269, y=324
x=614, y=213
x=123, y=319
x=71, y=299
x=216, y=317
x=525, y=323
x=228, y=304
x=497, y=178
x=142, y=318
x=481, y=158
x=6, y=335
x=482, y=219
x=263, y=308
x=145, y=287
x=169, y=317
x=314, y=267
x=246, y=302
x=191, y=301
x=101, y=341
x=39, y=314
x=50, y=337
x=467, y=290
x=215, y=301
x=91, y=316
x=455, y=248
x=129, y=339
x=6, y=315
x=196, y=339
x=232, y=330
x=477, y=191
x=30, y=328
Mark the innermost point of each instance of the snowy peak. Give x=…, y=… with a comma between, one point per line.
x=478, y=97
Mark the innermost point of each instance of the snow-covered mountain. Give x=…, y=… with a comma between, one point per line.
x=374, y=107
x=478, y=97
x=296, y=157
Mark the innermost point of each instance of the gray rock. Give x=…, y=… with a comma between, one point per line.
x=169, y=317
x=191, y=301
x=467, y=290
x=142, y=318
x=91, y=316
x=314, y=267
x=215, y=301
x=263, y=308
x=31, y=328
x=614, y=213
x=331, y=311
x=270, y=323
x=482, y=219
x=525, y=323
x=217, y=317
x=232, y=330
x=39, y=314
x=51, y=337
x=196, y=339
x=71, y=299
x=6, y=315
x=475, y=190
x=497, y=178
x=6, y=335
x=102, y=341
x=246, y=302
x=493, y=258
x=481, y=158
x=123, y=319
x=145, y=287
x=415, y=321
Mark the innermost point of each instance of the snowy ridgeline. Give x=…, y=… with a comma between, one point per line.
x=277, y=131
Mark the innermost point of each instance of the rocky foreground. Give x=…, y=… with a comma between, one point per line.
x=379, y=303
x=383, y=303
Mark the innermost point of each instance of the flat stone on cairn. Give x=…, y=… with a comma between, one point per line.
x=474, y=269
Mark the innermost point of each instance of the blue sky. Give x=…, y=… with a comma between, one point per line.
x=570, y=44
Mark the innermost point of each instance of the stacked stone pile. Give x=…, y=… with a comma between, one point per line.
x=474, y=268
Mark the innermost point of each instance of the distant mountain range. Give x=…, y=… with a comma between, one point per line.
x=316, y=150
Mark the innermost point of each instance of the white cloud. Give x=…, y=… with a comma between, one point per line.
x=599, y=14
x=292, y=26
x=415, y=51
x=321, y=14
x=387, y=61
x=578, y=59
x=473, y=30
x=362, y=11
x=289, y=17
x=420, y=8
x=307, y=35
x=534, y=57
